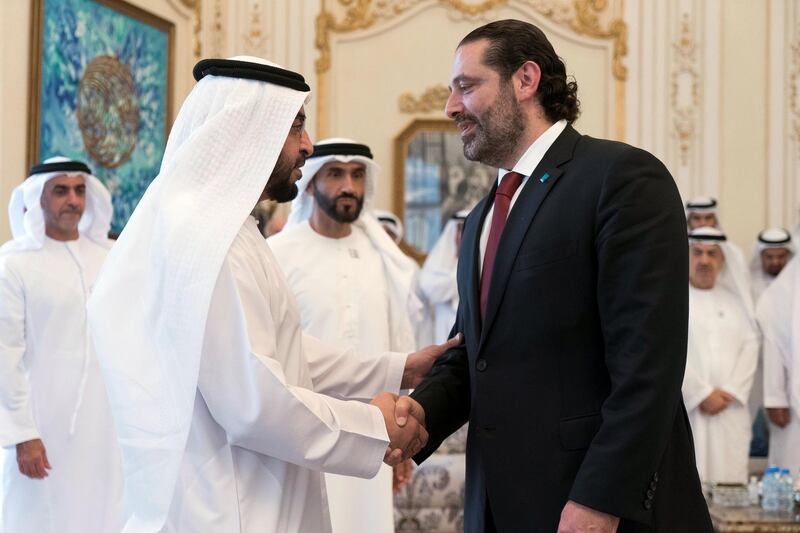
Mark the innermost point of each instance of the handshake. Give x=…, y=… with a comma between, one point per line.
x=405, y=424
x=404, y=417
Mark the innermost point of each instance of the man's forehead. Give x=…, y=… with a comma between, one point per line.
x=468, y=62
x=706, y=247
x=67, y=180
x=775, y=251
x=350, y=165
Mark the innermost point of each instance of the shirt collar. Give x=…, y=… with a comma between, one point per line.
x=535, y=152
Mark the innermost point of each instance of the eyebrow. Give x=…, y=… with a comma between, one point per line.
x=461, y=78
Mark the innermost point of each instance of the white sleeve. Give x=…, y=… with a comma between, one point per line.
x=346, y=374
x=695, y=387
x=439, y=285
x=744, y=372
x=774, y=311
x=16, y=416
x=776, y=381
x=248, y=395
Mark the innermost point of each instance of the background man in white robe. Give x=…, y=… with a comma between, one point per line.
x=391, y=224
x=703, y=211
x=721, y=360
x=437, y=280
x=54, y=412
x=218, y=397
x=354, y=287
x=771, y=252
x=779, y=318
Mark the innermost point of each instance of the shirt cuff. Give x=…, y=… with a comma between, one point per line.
x=394, y=371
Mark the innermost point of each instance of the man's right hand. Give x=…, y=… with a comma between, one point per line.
x=717, y=401
x=779, y=416
x=32, y=459
x=405, y=420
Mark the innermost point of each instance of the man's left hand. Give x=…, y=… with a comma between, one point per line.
x=418, y=364
x=577, y=518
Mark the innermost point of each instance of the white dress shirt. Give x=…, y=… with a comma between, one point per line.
x=525, y=166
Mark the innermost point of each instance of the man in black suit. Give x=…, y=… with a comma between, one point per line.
x=573, y=285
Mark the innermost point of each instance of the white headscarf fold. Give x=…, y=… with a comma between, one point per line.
x=150, y=304
x=400, y=269
x=387, y=218
x=441, y=264
x=701, y=204
x=26, y=216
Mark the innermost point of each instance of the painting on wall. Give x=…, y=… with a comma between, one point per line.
x=434, y=180
x=101, y=75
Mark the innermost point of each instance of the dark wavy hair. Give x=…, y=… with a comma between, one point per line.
x=512, y=43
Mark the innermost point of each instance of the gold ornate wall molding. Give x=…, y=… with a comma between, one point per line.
x=255, y=40
x=217, y=48
x=590, y=18
x=685, y=89
x=432, y=99
x=794, y=94
x=197, y=26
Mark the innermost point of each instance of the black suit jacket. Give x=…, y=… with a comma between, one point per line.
x=572, y=384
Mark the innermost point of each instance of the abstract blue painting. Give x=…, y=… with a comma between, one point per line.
x=103, y=81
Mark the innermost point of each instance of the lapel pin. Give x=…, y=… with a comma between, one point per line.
x=545, y=177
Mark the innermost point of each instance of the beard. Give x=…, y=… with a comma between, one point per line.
x=280, y=186
x=773, y=270
x=342, y=216
x=497, y=131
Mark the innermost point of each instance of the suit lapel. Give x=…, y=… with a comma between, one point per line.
x=539, y=184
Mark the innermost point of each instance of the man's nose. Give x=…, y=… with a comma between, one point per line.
x=306, y=146
x=348, y=183
x=454, y=105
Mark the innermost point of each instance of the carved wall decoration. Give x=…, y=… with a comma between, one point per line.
x=794, y=95
x=217, y=48
x=255, y=39
x=685, y=89
x=197, y=7
x=582, y=16
x=432, y=99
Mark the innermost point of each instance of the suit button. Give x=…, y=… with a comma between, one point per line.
x=653, y=485
x=650, y=494
x=481, y=365
x=648, y=504
x=655, y=477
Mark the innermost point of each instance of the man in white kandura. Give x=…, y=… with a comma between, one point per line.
x=703, y=211
x=771, y=252
x=390, y=223
x=54, y=412
x=779, y=318
x=219, y=399
x=721, y=360
x=354, y=287
x=437, y=280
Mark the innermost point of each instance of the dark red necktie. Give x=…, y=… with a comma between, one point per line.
x=502, y=203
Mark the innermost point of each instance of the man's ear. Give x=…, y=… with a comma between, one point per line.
x=526, y=80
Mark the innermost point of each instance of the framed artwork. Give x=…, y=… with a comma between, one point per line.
x=434, y=180
x=101, y=75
